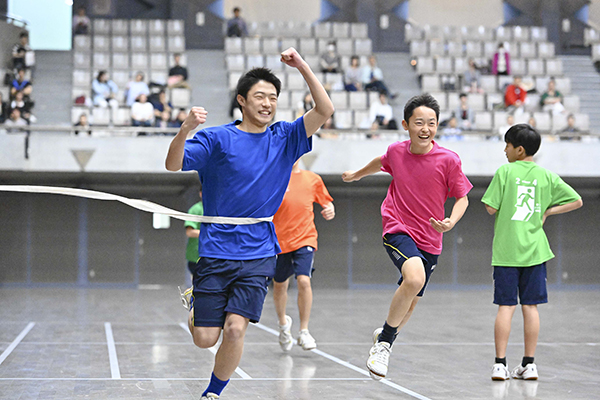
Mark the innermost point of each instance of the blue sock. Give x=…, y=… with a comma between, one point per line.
x=215, y=386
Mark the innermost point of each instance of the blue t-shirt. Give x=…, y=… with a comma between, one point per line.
x=243, y=175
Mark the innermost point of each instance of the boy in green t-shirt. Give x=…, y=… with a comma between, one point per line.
x=192, y=231
x=522, y=195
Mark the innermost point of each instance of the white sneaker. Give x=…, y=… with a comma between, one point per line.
x=306, y=340
x=379, y=356
x=187, y=297
x=210, y=396
x=528, y=372
x=286, y=341
x=500, y=372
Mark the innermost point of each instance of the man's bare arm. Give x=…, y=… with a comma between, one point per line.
x=174, y=160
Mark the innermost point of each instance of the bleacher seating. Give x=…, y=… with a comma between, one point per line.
x=442, y=54
x=266, y=42
x=123, y=47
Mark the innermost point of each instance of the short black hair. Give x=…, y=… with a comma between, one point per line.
x=100, y=73
x=255, y=75
x=524, y=135
x=236, y=9
x=23, y=34
x=424, y=99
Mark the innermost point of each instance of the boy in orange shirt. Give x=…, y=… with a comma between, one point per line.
x=297, y=236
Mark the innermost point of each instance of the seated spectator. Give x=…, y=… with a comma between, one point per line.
x=372, y=77
x=472, y=78
x=570, y=132
x=4, y=110
x=160, y=103
x=135, y=88
x=22, y=55
x=236, y=26
x=381, y=114
x=178, y=74
x=515, y=96
x=305, y=105
x=24, y=105
x=551, y=100
x=21, y=84
x=142, y=112
x=330, y=61
x=353, y=75
x=181, y=116
x=464, y=114
x=84, y=124
x=14, y=120
x=81, y=23
x=510, y=121
x=163, y=120
x=104, y=91
x=501, y=61
x=452, y=128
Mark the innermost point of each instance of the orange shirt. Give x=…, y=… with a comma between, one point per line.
x=294, y=221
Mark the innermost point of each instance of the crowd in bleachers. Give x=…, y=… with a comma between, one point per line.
x=16, y=97
x=339, y=52
x=129, y=72
x=481, y=75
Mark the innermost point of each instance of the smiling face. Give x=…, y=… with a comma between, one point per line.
x=422, y=127
x=260, y=104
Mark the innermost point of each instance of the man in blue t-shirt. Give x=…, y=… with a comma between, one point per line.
x=244, y=168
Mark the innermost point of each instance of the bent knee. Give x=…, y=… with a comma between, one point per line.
x=205, y=342
x=303, y=282
x=234, y=332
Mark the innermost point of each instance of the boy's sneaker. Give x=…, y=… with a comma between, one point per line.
x=500, y=372
x=286, y=341
x=379, y=356
x=210, y=396
x=187, y=297
x=528, y=372
x=306, y=340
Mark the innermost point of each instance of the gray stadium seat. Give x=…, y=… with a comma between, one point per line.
x=156, y=27
x=295, y=81
x=539, y=33
x=503, y=34
x=563, y=85
x=283, y=101
x=138, y=27
x=159, y=76
x=412, y=32
x=100, y=116
x=430, y=83
x=500, y=118
x=451, y=33
x=175, y=27
x=361, y=119
x=120, y=78
x=308, y=46
x=477, y=101
x=535, y=67
x=322, y=30
x=158, y=61
x=543, y=121
x=489, y=83
x=345, y=47
x=120, y=60
x=139, y=61
x=138, y=43
x=176, y=44
x=571, y=103
x=120, y=44
x=419, y=48
x=455, y=49
x=437, y=48
x=101, y=26
x=270, y=46
x=82, y=60
x=251, y=46
x=473, y=48
x=425, y=65
x=284, y=115
x=254, y=61
x=101, y=61
x=359, y=30
x=518, y=66
x=157, y=43
x=591, y=36
x=363, y=47
x=233, y=46
x=273, y=62
x=443, y=65
x=441, y=98
x=180, y=97
x=286, y=43
x=432, y=32
x=461, y=65
x=520, y=33
x=101, y=43
x=343, y=119
x=235, y=62
x=120, y=27
x=483, y=120
x=233, y=78
x=122, y=116
x=82, y=78
x=527, y=50
x=339, y=100
x=358, y=100
x=340, y=29
x=545, y=50
x=82, y=43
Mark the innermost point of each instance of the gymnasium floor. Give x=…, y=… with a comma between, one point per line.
x=133, y=344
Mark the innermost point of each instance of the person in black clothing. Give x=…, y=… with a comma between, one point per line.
x=178, y=74
x=4, y=110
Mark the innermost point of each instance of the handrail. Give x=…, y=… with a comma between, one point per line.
x=11, y=19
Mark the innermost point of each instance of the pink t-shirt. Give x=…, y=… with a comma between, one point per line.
x=420, y=186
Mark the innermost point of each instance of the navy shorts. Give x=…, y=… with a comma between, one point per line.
x=297, y=262
x=526, y=283
x=192, y=267
x=230, y=286
x=400, y=247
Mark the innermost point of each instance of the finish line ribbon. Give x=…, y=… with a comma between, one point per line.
x=142, y=205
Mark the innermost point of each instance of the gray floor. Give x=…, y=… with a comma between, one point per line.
x=131, y=344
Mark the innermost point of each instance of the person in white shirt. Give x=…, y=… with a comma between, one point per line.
x=381, y=114
x=142, y=112
x=372, y=77
x=81, y=23
x=136, y=87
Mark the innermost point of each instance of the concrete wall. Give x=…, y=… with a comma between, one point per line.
x=50, y=239
x=52, y=152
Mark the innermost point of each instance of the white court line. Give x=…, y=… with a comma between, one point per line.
x=352, y=367
x=180, y=379
x=112, y=352
x=213, y=350
x=15, y=342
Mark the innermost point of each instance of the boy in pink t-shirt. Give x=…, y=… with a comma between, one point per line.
x=424, y=175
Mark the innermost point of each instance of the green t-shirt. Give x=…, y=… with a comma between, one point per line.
x=191, y=251
x=521, y=192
